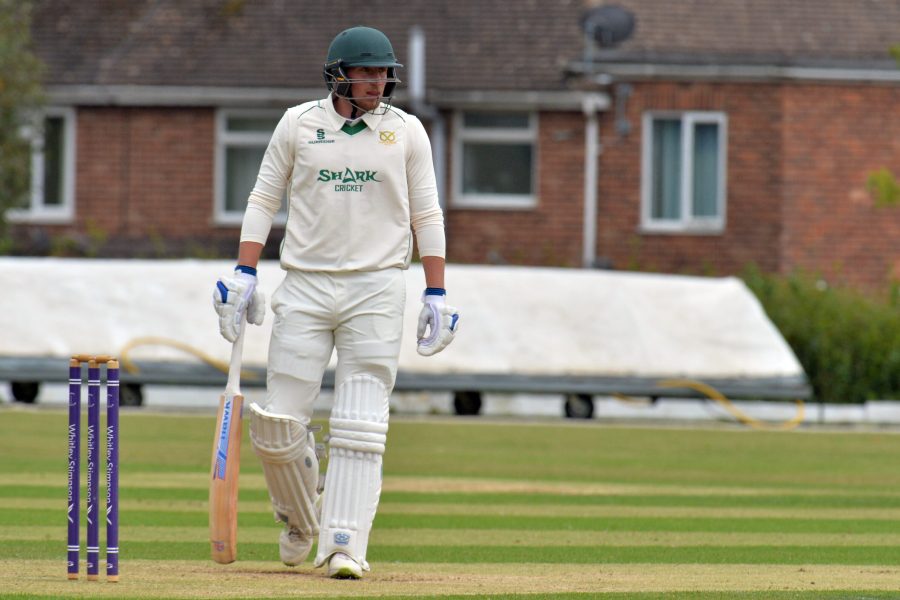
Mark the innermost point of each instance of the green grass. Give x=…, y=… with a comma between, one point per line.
x=525, y=485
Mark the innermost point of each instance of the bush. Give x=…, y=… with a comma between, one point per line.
x=847, y=342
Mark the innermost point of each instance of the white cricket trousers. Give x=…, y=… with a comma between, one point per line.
x=359, y=313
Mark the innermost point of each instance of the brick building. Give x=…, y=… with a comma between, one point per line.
x=720, y=133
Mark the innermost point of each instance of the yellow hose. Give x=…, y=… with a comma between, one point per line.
x=714, y=394
x=129, y=365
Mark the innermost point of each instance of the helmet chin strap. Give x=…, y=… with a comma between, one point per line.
x=356, y=110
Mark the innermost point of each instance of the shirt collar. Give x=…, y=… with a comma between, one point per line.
x=337, y=120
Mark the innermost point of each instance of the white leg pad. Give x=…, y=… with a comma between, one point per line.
x=286, y=449
x=357, y=433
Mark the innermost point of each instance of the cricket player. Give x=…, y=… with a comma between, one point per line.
x=359, y=180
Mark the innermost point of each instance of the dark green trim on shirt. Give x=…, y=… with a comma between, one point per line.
x=353, y=129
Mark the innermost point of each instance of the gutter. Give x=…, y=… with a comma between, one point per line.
x=591, y=104
x=427, y=111
x=732, y=72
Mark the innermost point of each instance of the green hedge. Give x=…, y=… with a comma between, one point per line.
x=848, y=342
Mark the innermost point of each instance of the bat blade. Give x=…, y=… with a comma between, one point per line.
x=223, y=486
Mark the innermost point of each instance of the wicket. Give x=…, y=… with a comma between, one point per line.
x=93, y=464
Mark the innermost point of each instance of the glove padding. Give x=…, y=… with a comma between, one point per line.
x=233, y=297
x=439, y=320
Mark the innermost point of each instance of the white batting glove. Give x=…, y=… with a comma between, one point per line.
x=438, y=320
x=233, y=297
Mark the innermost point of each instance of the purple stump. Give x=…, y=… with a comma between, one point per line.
x=112, y=471
x=73, y=513
x=93, y=506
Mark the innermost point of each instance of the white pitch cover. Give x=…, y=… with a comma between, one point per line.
x=286, y=450
x=357, y=434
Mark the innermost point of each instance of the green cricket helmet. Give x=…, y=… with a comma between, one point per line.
x=359, y=47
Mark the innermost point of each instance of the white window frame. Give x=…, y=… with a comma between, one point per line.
x=686, y=223
x=497, y=135
x=224, y=139
x=38, y=211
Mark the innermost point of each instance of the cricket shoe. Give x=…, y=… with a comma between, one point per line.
x=293, y=546
x=341, y=566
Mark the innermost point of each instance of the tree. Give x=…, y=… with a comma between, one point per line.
x=21, y=98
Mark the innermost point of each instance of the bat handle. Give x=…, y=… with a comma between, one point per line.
x=233, y=387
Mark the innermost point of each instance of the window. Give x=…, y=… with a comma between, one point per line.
x=242, y=138
x=52, y=197
x=683, y=172
x=493, y=160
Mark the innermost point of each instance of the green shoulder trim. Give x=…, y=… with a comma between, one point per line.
x=353, y=129
x=396, y=112
x=316, y=105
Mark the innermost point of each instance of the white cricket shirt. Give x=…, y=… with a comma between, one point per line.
x=355, y=191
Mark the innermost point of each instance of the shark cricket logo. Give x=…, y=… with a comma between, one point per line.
x=347, y=180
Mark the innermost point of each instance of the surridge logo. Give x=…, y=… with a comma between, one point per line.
x=348, y=180
x=320, y=138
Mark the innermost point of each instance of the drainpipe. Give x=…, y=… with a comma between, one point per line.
x=591, y=104
x=424, y=110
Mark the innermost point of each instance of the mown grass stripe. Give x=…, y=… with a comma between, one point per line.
x=512, y=498
x=543, y=523
x=508, y=510
x=251, y=478
x=493, y=537
x=619, y=511
x=681, y=500
x=797, y=555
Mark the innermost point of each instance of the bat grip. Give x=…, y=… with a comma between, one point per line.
x=233, y=387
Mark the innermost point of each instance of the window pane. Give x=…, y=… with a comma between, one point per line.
x=241, y=168
x=53, y=161
x=706, y=173
x=666, y=170
x=265, y=124
x=491, y=119
x=496, y=168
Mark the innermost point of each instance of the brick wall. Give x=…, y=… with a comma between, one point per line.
x=144, y=186
x=753, y=184
x=146, y=175
x=797, y=164
x=834, y=137
x=551, y=234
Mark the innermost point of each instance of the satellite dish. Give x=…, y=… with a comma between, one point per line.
x=608, y=25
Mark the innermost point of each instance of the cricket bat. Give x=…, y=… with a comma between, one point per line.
x=226, y=462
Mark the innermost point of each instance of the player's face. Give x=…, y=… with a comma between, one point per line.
x=368, y=92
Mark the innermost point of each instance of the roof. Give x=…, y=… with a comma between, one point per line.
x=471, y=44
x=837, y=33
x=474, y=45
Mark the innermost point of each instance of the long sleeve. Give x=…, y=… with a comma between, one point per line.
x=426, y=216
x=274, y=177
